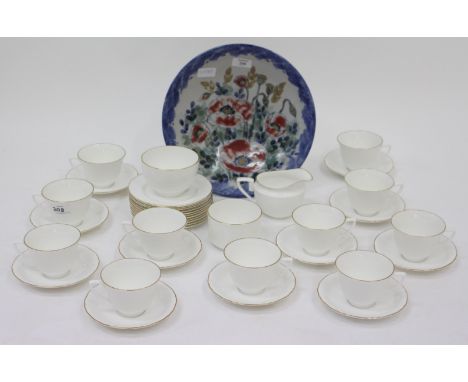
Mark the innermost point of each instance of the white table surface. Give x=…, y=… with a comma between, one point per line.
x=58, y=95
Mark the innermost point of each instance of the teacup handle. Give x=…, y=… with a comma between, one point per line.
x=450, y=234
x=386, y=148
x=74, y=162
x=37, y=199
x=398, y=188
x=400, y=276
x=93, y=284
x=239, y=182
x=350, y=224
x=128, y=226
x=19, y=247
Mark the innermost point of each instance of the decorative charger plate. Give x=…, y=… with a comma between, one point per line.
x=244, y=110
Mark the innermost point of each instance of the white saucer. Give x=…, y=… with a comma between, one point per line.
x=100, y=309
x=140, y=190
x=334, y=162
x=444, y=255
x=96, y=215
x=221, y=284
x=191, y=248
x=87, y=263
x=339, y=199
x=289, y=243
x=391, y=301
x=121, y=183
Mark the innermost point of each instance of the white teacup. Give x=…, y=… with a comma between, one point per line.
x=170, y=170
x=130, y=285
x=417, y=233
x=68, y=199
x=362, y=276
x=159, y=231
x=320, y=227
x=369, y=190
x=232, y=219
x=253, y=263
x=53, y=248
x=102, y=163
x=360, y=148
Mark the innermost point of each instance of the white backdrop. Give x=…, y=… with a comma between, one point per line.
x=58, y=95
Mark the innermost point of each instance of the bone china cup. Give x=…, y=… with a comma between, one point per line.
x=368, y=190
x=417, y=233
x=68, y=199
x=359, y=148
x=362, y=276
x=102, y=163
x=231, y=219
x=159, y=231
x=53, y=248
x=253, y=263
x=319, y=227
x=170, y=170
x=130, y=285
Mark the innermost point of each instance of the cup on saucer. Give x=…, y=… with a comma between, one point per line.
x=253, y=262
x=369, y=190
x=362, y=276
x=232, y=219
x=170, y=170
x=68, y=199
x=130, y=285
x=160, y=231
x=102, y=163
x=360, y=148
x=53, y=248
x=417, y=233
x=320, y=227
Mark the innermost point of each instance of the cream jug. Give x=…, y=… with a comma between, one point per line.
x=277, y=193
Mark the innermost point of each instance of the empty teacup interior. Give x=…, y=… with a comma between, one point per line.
x=159, y=220
x=360, y=139
x=130, y=274
x=318, y=216
x=369, y=180
x=252, y=253
x=234, y=211
x=67, y=190
x=170, y=158
x=364, y=265
x=100, y=153
x=418, y=223
x=52, y=237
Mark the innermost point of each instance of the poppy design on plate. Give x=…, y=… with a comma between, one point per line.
x=241, y=157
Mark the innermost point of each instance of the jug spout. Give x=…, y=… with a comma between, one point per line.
x=282, y=179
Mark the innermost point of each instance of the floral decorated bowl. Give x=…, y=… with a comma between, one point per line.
x=244, y=110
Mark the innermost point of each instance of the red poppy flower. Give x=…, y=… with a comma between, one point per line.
x=229, y=112
x=276, y=126
x=241, y=81
x=199, y=134
x=241, y=157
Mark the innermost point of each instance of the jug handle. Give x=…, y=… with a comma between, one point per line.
x=239, y=182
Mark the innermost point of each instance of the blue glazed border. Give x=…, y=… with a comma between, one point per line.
x=180, y=82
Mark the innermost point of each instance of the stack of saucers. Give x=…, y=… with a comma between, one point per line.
x=170, y=180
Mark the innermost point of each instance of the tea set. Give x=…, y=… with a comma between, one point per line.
x=129, y=293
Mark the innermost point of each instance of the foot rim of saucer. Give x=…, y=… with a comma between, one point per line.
x=92, y=252
x=133, y=173
x=97, y=203
x=413, y=266
x=354, y=316
x=365, y=219
x=312, y=260
x=267, y=303
x=342, y=172
x=159, y=320
x=160, y=263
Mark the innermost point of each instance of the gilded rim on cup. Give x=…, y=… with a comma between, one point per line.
x=368, y=251
x=246, y=201
x=318, y=229
x=101, y=143
x=58, y=286
x=67, y=201
x=369, y=169
x=360, y=317
x=129, y=290
x=133, y=327
x=169, y=169
x=360, y=131
x=426, y=212
x=53, y=250
x=161, y=233
x=250, y=238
